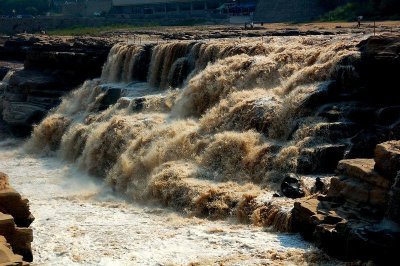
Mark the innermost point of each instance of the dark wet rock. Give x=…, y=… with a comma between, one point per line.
x=362, y=114
x=388, y=115
x=28, y=96
x=3, y=72
x=326, y=92
x=291, y=187
x=333, y=113
x=141, y=66
x=393, y=212
x=351, y=111
x=110, y=97
x=84, y=56
x=320, y=159
x=380, y=61
x=337, y=130
x=363, y=144
x=319, y=185
x=179, y=72
x=374, y=239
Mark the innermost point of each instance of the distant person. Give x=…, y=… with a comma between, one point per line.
x=359, y=18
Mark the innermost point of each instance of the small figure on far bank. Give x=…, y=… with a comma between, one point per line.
x=359, y=18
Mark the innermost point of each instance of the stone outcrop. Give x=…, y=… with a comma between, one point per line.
x=7, y=257
x=358, y=218
x=15, y=218
x=52, y=68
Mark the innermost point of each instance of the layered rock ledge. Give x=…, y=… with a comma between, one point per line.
x=53, y=66
x=15, y=218
x=359, y=217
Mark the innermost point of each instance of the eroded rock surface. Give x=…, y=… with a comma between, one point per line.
x=15, y=218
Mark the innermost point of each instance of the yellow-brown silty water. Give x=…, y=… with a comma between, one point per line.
x=216, y=147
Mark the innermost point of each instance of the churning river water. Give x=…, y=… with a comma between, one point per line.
x=80, y=222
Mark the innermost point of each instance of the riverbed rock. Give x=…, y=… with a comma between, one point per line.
x=291, y=187
x=320, y=159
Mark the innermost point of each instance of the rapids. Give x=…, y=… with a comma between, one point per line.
x=204, y=128
x=79, y=222
x=217, y=145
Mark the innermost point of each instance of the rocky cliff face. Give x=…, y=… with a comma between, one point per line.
x=15, y=218
x=53, y=66
x=359, y=215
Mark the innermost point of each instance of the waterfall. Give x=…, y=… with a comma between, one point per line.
x=205, y=149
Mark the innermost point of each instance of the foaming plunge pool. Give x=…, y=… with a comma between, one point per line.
x=78, y=222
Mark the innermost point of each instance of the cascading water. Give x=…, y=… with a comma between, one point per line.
x=219, y=146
